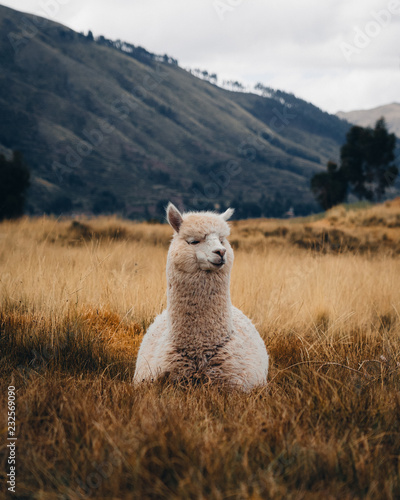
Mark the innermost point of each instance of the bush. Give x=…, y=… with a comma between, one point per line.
x=14, y=182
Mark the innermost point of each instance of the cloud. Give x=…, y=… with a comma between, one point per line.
x=337, y=54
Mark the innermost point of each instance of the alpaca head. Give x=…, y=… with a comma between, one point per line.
x=200, y=241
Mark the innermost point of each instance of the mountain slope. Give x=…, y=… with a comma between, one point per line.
x=105, y=130
x=368, y=117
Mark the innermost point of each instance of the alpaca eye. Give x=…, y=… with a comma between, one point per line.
x=193, y=242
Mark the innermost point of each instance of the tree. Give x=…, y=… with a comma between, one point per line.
x=352, y=155
x=366, y=167
x=381, y=171
x=329, y=188
x=14, y=182
x=366, y=160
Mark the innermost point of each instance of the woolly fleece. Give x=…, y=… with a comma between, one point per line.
x=201, y=336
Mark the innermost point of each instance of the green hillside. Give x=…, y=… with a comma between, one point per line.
x=108, y=127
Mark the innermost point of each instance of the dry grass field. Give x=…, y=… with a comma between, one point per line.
x=76, y=299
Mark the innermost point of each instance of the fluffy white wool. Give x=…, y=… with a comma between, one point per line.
x=201, y=336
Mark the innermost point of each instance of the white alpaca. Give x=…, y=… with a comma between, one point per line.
x=201, y=336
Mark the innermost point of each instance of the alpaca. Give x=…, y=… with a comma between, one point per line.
x=201, y=336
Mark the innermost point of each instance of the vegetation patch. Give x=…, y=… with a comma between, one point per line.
x=71, y=321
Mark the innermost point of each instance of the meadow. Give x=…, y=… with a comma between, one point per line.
x=76, y=297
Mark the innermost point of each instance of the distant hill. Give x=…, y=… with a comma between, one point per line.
x=368, y=117
x=109, y=127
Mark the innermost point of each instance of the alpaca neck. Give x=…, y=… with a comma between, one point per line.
x=199, y=310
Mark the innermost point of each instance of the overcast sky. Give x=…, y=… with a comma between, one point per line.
x=337, y=54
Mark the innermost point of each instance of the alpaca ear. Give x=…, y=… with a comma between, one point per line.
x=174, y=217
x=228, y=214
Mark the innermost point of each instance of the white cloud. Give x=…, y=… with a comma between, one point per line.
x=295, y=46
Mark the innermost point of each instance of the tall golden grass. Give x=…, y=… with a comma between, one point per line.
x=76, y=299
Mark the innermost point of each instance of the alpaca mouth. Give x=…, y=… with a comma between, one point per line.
x=218, y=264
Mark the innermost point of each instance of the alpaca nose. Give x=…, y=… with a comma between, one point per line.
x=221, y=252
